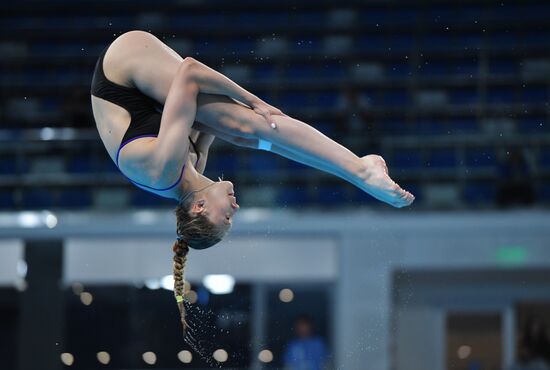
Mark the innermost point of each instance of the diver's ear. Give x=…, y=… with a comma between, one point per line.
x=198, y=206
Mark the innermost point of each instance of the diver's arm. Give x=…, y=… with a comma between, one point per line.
x=213, y=82
x=203, y=142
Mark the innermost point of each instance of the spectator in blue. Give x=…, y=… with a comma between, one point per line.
x=307, y=351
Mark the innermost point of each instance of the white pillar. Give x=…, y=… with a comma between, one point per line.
x=363, y=306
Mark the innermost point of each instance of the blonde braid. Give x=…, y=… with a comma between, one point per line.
x=193, y=231
x=180, y=257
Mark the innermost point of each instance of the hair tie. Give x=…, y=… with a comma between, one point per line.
x=181, y=239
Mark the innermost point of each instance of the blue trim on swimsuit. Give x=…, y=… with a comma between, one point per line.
x=137, y=183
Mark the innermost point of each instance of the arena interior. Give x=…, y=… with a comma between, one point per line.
x=453, y=94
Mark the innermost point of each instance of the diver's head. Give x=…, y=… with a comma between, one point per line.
x=204, y=218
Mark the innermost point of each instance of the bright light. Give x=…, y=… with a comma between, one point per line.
x=47, y=133
x=464, y=352
x=104, y=357
x=152, y=284
x=220, y=355
x=185, y=356
x=265, y=356
x=286, y=295
x=150, y=358
x=86, y=298
x=167, y=282
x=28, y=219
x=22, y=268
x=50, y=220
x=219, y=284
x=67, y=358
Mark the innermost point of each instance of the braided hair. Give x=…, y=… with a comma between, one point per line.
x=193, y=231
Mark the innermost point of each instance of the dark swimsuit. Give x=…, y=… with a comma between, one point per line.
x=145, y=113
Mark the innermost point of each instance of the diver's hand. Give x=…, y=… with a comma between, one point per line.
x=265, y=110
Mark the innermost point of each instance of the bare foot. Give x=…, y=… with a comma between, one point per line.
x=380, y=185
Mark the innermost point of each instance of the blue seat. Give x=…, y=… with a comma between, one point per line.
x=271, y=18
x=261, y=163
x=51, y=104
x=80, y=164
x=468, y=42
x=479, y=193
x=325, y=99
x=140, y=198
x=241, y=46
x=533, y=125
x=464, y=126
x=265, y=71
x=466, y=68
x=7, y=200
x=400, y=43
x=480, y=157
x=534, y=95
x=543, y=193
x=292, y=196
x=293, y=101
x=371, y=43
x=503, y=41
x=397, y=127
x=227, y=164
x=442, y=158
x=8, y=166
x=429, y=127
x=308, y=18
x=331, y=195
x=37, y=198
x=398, y=69
x=185, y=21
x=406, y=159
x=501, y=95
x=503, y=66
x=374, y=15
x=333, y=70
x=245, y=19
x=464, y=96
x=75, y=198
x=434, y=69
x=534, y=40
x=544, y=157
x=209, y=47
x=306, y=45
x=300, y=71
x=395, y=98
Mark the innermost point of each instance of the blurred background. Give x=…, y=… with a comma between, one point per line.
x=453, y=94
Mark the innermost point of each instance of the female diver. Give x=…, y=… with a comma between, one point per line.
x=157, y=115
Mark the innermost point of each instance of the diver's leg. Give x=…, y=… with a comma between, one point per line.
x=303, y=143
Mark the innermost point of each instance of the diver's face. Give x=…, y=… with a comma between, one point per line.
x=221, y=203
